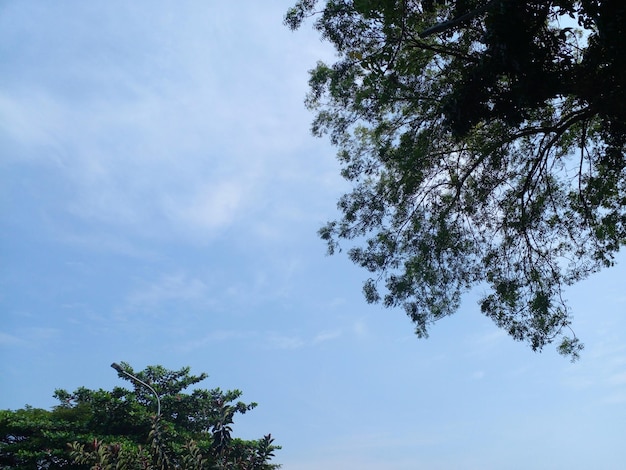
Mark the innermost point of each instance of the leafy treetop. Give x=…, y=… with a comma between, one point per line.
x=485, y=141
x=119, y=429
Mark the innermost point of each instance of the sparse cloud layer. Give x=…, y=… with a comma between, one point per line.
x=160, y=198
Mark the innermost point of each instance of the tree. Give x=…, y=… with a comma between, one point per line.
x=121, y=429
x=484, y=141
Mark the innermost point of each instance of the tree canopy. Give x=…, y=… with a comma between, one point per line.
x=484, y=140
x=120, y=429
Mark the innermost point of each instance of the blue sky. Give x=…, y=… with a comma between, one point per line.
x=160, y=196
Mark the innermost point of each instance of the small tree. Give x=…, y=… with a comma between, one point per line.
x=98, y=429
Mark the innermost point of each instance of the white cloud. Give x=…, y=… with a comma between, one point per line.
x=280, y=341
x=178, y=287
x=360, y=329
x=19, y=122
x=268, y=339
x=176, y=136
x=616, y=398
x=618, y=379
x=30, y=337
x=9, y=340
x=478, y=375
x=104, y=242
x=327, y=336
x=211, y=208
x=383, y=450
x=218, y=336
x=490, y=339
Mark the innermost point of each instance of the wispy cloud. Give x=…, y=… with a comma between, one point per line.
x=263, y=339
x=163, y=140
x=325, y=336
x=616, y=398
x=211, y=208
x=29, y=337
x=278, y=340
x=178, y=287
x=9, y=340
x=618, y=379
x=217, y=336
x=281, y=341
x=347, y=452
x=489, y=339
x=478, y=375
x=112, y=242
x=360, y=329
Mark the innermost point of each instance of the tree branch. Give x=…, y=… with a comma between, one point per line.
x=446, y=25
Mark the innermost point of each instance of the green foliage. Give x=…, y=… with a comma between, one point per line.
x=98, y=429
x=485, y=142
x=33, y=438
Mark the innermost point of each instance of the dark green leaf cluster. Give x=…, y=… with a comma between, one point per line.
x=485, y=143
x=98, y=429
